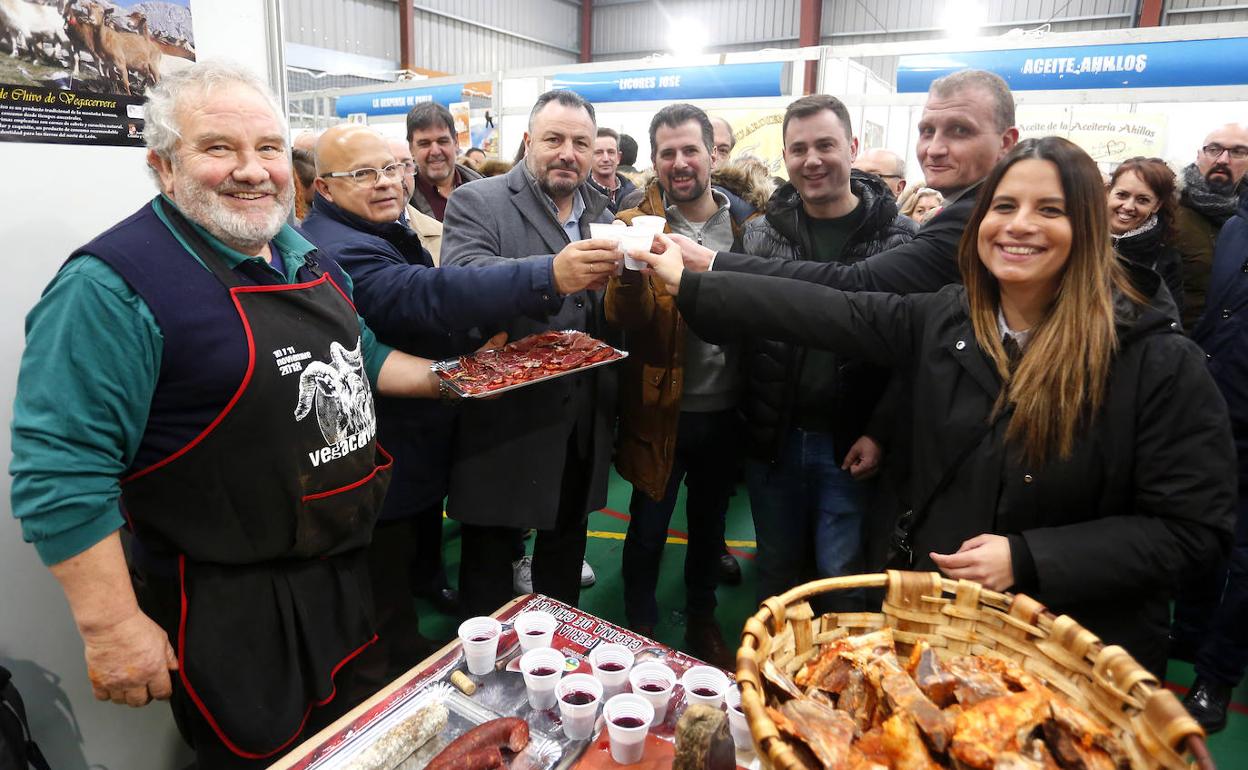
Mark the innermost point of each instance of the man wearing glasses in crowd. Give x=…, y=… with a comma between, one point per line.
x=356, y=220
x=887, y=165
x=1211, y=188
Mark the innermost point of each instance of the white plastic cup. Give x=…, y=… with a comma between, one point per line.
x=535, y=629
x=613, y=656
x=737, y=725
x=705, y=685
x=628, y=742
x=606, y=231
x=579, y=718
x=654, y=682
x=649, y=223
x=632, y=240
x=541, y=686
x=479, y=638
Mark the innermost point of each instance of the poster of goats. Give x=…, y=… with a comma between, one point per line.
x=75, y=71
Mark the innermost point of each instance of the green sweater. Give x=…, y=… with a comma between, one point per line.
x=87, y=376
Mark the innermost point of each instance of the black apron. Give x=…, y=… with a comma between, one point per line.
x=268, y=512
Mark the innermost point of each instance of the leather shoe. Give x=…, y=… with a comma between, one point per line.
x=1207, y=702
x=704, y=640
x=444, y=600
x=728, y=571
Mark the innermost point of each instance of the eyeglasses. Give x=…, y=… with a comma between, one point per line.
x=369, y=176
x=1214, y=151
x=408, y=165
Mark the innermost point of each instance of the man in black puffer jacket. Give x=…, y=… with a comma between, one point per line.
x=807, y=410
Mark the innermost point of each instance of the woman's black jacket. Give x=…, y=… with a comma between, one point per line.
x=1146, y=498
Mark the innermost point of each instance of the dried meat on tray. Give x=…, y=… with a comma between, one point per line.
x=525, y=361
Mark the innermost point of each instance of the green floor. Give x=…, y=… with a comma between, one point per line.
x=606, y=598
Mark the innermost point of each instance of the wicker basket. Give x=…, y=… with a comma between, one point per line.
x=962, y=617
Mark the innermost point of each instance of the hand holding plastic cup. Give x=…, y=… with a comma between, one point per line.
x=654, y=682
x=535, y=629
x=479, y=638
x=705, y=685
x=611, y=664
x=628, y=717
x=737, y=725
x=635, y=239
x=542, y=670
x=579, y=696
x=608, y=232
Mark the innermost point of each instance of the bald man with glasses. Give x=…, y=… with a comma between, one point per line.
x=357, y=220
x=1211, y=189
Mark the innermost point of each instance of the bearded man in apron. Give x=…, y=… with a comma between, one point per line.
x=198, y=376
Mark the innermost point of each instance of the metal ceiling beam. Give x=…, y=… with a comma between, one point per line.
x=808, y=34
x=587, y=31
x=1149, y=13
x=407, y=40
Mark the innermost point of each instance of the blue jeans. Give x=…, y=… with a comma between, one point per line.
x=805, y=499
x=706, y=459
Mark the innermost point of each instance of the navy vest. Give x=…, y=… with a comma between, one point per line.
x=204, y=352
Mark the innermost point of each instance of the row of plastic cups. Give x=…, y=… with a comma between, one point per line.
x=479, y=637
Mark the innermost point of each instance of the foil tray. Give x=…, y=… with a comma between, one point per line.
x=444, y=368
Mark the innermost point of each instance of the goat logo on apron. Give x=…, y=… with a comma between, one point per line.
x=339, y=393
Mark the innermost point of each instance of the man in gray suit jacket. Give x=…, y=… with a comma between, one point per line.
x=537, y=457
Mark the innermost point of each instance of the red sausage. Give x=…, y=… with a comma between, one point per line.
x=480, y=759
x=511, y=733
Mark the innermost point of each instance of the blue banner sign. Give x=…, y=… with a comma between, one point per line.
x=397, y=102
x=717, y=82
x=1129, y=65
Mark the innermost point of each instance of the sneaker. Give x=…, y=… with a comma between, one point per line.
x=1207, y=702
x=588, y=578
x=522, y=576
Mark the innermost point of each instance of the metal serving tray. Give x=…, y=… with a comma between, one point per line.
x=443, y=368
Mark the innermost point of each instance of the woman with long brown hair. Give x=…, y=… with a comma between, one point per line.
x=1067, y=440
x=1142, y=203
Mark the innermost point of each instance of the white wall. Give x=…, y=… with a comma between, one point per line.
x=53, y=199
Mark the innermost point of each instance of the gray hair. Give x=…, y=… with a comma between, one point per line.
x=989, y=82
x=732, y=138
x=161, y=132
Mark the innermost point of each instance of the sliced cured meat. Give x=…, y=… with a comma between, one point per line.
x=527, y=360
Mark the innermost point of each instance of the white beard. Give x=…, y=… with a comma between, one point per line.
x=247, y=233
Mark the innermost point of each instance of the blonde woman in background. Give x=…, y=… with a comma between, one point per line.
x=920, y=203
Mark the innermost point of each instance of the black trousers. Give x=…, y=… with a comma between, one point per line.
x=428, y=574
x=485, y=582
x=706, y=459
x=1211, y=612
x=400, y=644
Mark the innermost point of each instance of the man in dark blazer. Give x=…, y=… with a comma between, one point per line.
x=539, y=457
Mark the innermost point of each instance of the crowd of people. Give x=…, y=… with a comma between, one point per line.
x=1017, y=373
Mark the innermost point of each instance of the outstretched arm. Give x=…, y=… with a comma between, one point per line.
x=879, y=328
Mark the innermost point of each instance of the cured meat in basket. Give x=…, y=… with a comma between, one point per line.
x=859, y=705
